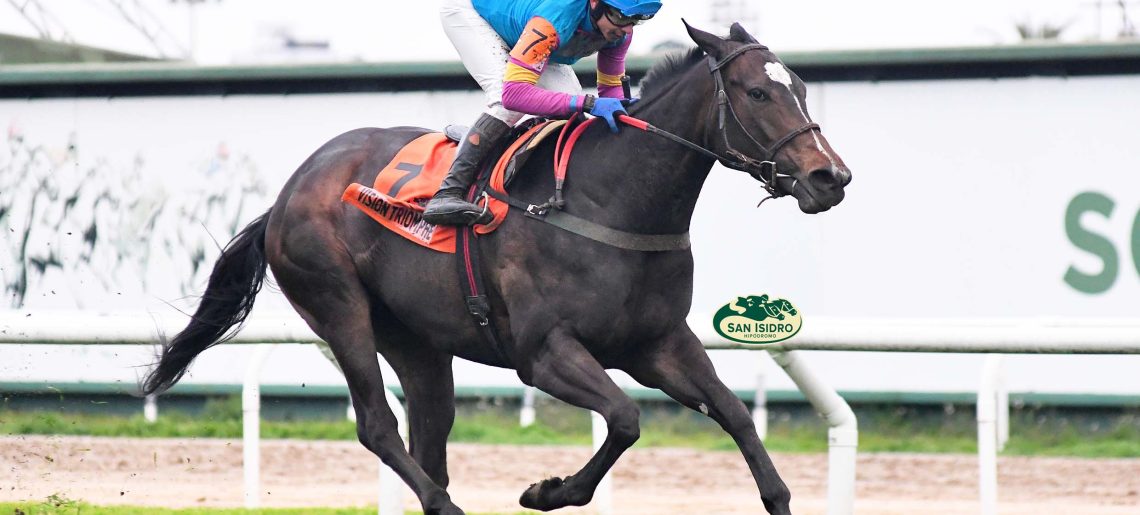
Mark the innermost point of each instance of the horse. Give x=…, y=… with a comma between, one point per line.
x=758, y=308
x=567, y=307
x=778, y=307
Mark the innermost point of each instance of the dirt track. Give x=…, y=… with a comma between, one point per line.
x=207, y=472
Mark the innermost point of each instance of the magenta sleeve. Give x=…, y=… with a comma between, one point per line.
x=610, y=92
x=530, y=99
x=611, y=61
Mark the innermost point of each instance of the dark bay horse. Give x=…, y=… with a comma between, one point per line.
x=567, y=307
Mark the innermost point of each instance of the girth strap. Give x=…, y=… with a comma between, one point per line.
x=599, y=233
x=471, y=281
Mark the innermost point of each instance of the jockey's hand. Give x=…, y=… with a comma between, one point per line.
x=629, y=101
x=607, y=108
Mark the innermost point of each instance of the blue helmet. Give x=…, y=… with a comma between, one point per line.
x=636, y=9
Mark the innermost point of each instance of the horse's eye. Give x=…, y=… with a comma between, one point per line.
x=757, y=94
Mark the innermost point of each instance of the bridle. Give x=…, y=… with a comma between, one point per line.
x=552, y=211
x=744, y=163
x=735, y=159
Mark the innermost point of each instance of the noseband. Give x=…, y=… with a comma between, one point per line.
x=741, y=161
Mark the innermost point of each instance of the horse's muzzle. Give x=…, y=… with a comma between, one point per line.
x=822, y=189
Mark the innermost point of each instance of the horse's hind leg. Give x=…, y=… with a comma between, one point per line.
x=680, y=367
x=429, y=388
x=331, y=299
x=564, y=369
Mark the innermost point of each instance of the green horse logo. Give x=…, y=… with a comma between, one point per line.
x=756, y=319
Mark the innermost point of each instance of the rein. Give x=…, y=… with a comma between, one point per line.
x=739, y=160
x=551, y=212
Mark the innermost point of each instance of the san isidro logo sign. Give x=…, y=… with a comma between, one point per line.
x=758, y=319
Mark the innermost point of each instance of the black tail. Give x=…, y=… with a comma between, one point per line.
x=228, y=300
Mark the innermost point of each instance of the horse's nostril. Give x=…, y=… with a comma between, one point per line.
x=824, y=178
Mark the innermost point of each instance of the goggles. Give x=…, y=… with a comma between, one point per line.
x=621, y=20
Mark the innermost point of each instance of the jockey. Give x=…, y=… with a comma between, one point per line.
x=520, y=52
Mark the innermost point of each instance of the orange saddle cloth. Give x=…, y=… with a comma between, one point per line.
x=397, y=197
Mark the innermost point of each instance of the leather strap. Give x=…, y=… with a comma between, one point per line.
x=599, y=233
x=732, y=55
x=471, y=276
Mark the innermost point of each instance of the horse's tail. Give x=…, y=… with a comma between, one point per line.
x=228, y=300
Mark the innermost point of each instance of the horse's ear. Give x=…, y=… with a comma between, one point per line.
x=737, y=33
x=712, y=44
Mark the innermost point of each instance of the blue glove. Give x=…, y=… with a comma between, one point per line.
x=606, y=108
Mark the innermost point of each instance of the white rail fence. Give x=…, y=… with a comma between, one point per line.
x=1036, y=336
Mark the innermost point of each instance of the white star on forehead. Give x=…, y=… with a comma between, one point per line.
x=778, y=73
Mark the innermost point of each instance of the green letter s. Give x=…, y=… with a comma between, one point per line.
x=1090, y=242
x=1136, y=242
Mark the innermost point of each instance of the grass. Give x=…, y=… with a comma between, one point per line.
x=1034, y=432
x=57, y=505
x=54, y=506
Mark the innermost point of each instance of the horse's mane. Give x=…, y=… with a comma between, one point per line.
x=668, y=70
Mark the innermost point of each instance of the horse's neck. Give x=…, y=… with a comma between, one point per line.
x=643, y=182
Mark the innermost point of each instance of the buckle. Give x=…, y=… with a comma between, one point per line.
x=770, y=167
x=479, y=308
x=537, y=211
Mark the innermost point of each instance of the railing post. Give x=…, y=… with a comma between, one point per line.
x=251, y=425
x=988, y=435
x=150, y=408
x=527, y=414
x=843, y=436
x=1002, y=410
x=760, y=399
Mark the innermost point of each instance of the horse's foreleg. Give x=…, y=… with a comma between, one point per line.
x=565, y=370
x=680, y=367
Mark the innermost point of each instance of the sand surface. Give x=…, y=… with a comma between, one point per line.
x=208, y=472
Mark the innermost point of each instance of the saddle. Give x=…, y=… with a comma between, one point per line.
x=397, y=196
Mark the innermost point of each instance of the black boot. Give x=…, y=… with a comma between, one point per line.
x=447, y=206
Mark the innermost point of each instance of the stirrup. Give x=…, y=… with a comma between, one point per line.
x=485, y=216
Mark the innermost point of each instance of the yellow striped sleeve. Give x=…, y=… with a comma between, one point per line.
x=605, y=79
x=516, y=73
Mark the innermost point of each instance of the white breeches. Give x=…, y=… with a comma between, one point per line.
x=485, y=55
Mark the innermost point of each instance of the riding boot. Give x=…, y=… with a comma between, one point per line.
x=447, y=206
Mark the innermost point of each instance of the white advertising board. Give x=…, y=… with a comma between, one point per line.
x=970, y=198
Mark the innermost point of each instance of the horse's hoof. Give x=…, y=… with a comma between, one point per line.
x=534, y=498
x=447, y=510
x=439, y=503
x=551, y=494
